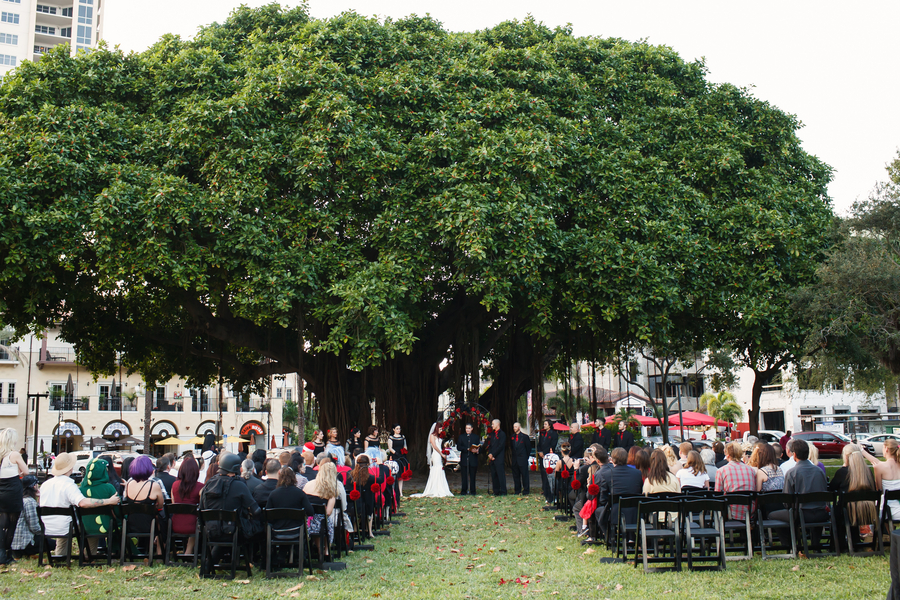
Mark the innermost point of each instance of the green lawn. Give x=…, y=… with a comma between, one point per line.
x=473, y=548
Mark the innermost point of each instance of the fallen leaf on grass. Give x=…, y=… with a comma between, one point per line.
x=312, y=578
x=44, y=575
x=496, y=569
x=128, y=568
x=619, y=586
x=560, y=548
x=243, y=581
x=795, y=568
x=589, y=551
x=112, y=570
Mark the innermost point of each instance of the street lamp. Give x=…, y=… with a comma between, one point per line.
x=37, y=413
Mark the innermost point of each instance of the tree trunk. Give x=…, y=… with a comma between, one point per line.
x=148, y=419
x=759, y=377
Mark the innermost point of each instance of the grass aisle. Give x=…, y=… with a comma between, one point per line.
x=473, y=548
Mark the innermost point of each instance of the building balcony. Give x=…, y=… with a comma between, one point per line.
x=56, y=356
x=115, y=404
x=251, y=406
x=168, y=404
x=9, y=407
x=69, y=403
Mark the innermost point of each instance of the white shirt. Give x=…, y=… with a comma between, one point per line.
x=550, y=460
x=689, y=479
x=788, y=465
x=59, y=492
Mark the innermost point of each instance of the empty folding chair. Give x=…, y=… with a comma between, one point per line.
x=654, y=526
x=704, y=520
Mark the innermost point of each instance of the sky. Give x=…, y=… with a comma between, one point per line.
x=833, y=64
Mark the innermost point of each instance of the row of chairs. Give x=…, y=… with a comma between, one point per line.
x=122, y=543
x=677, y=524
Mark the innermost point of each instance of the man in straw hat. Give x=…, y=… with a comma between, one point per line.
x=61, y=492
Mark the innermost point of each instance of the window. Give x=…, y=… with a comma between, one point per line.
x=4, y=343
x=6, y=59
x=8, y=17
x=45, y=29
x=85, y=15
x=84, y=35
x=8, y=38
x=65, y=32
x=13, y=1
x=50, y=10
x=774, y=383
x=42, y=49
x=11, y=393
x=67, y=12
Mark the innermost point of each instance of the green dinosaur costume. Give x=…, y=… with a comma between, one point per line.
x=96, y=485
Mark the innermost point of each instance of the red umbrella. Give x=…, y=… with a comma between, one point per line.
x=645, y=421
x=560, y=427
x=693, y=419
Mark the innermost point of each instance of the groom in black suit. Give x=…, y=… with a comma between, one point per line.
x=468, y=460
x=495, y=444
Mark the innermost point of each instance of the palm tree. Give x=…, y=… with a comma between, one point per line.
x=724, y=407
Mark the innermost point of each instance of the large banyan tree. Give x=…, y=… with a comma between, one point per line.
x=384, y=207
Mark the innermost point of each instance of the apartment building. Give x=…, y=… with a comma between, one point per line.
x=44, y=390
x=29, y=28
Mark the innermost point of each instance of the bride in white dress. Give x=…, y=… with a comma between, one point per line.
x=437, y=481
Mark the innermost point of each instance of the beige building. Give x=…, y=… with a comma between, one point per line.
x=43, y=389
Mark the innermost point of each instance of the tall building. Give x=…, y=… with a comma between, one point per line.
x=29, y=28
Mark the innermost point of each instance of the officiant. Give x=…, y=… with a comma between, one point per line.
x=468, y=444
x=495, y=447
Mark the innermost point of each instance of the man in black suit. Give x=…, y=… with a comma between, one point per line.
x=620, y=479
x=468, y=460
x=547, y=440
x=521, y=450
x=624, y=438
x=803, y=478
x=576, y=442
x=602, y=435
x=162, y=473
x=495, y=446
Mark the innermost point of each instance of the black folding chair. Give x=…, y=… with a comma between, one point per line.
x=85, y=556
x=173, y=538
x=876, y=546
x=52, y=511
x=219, y=534
x=766, y=504
x=624, y=528
x=324, y=545
x=294, y=538
x=130, y=510
x=743, y=501
x=808, y=527
x=709, y=524
x=665, y=534
x=887, y=516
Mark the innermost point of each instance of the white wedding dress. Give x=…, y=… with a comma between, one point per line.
x=437, y=481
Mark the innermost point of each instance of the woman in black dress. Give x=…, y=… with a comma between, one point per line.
x=373, y=438
x=354, y=442
x=12, y=467
x=398, y=450
x=318, y=442
x=363, y=506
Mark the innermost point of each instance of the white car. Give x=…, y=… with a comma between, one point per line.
x=767, y=435
x=877, y=441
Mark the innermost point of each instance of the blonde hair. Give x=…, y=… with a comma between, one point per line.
x=891, y=449
x=670, y=455
x=813, y=453
x=326, y=481
x=859, y=478
x=753, y=461
x=9, y=439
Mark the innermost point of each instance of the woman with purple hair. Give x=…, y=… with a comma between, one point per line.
x=140, y=490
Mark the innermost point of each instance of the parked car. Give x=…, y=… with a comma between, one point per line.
x=827, y=443
x=876, y=442
x=860, y=442
x=767, y=435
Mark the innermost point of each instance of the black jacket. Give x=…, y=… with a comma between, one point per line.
x=225, y=492
x=289, y=497
x=495, y=444
x=167, y=480
x=521, y=446
x=465, y=441
x=576, y=441
x=264, y=490
x=624, y=439
x=547, y=441
x=602, y=437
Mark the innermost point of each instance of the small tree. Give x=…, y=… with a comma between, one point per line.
x=724, y=407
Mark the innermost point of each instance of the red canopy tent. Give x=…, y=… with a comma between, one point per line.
x=560, y=427
x=693, y=419
x=645, y=421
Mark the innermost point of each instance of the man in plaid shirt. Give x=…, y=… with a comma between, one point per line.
x=736, y=477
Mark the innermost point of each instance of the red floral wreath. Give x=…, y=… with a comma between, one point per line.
x=565, y=473
x=376, y=489
x=406, y=475
x=455, y=423
x=534, y=466
x=354, y=493
x=576, y=485
x=593, y=489
x=549, y=470
x=390, y=480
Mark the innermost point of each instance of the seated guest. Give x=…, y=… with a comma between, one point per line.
x=767, y=468
x=719, y=449
x=163, y=475
x=114, y=478
x=853, y=476
x=264, y=490
x=285, y=459
x=287, y=495
x=684, y=449
x=248, y=474
x=227, y=491
x=887, y=472
x=659, y=477
x=309, y=463
x=96, y=485
x=803, y=478
x=323, y=490
x=186, y=490
x=639, y=459
x=61, y=492
x=579, y=489
x=735, y=477
x=814, y=458
x=27, y=538
x=618, y=481
x=671, y=459
x=779, y=452
x=259, y=460
x=694, y=474
x=709, y=461
x=142, y=489
x=361, y=480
